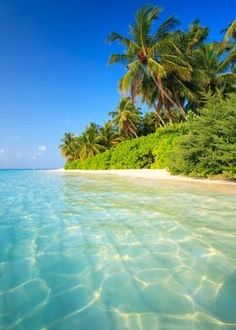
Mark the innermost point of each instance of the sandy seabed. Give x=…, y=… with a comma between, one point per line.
x=147, y=174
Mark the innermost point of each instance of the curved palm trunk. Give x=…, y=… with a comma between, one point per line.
x=157, y=110
x=132, y=131
x=164, y=94
x=169, y=112
x=181, y=109
x=164, y=101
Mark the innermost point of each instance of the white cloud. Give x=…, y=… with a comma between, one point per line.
x=39, y=152
x=42, y=148
x=2, y=152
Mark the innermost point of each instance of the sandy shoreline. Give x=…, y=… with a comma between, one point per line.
x=147, y=174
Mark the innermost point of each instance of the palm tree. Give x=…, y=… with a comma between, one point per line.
x=149, y=95
x=150, y=123
x=127, y=118
x=193, y=38
x=69, y=146
x=230, y=33
x=90, y=143
x=228, y=44
x=151, y=54
x=215, y=69
x=188, y=92
x=109, y=136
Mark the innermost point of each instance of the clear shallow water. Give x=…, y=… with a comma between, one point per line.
x=98, y=252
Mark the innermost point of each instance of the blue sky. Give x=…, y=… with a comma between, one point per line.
x=54, y=75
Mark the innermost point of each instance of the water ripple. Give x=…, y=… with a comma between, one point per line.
x=110, y=253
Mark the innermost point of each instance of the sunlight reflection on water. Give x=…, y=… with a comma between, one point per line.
x=98, y=252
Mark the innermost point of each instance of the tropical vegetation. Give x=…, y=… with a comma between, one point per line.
x=186, y=85
x=209, y=147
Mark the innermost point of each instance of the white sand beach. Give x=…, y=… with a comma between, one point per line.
x=147, y=174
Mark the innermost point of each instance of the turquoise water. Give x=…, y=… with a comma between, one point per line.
x=104, y=252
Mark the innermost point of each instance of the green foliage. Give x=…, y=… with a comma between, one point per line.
x=109, y=136
x=169, y=70
x=73, y=165
x=148, y=151
x=126, y=117
x=165, y=144
x=164, y=149
x=205, y=146
x=99, y=162
x=149, y=124
x=135, y=153
x=69, y=146
x=209, y=147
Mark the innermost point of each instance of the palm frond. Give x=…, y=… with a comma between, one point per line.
x=165, y=28
x=114, y=36
x=230, y=32
x=121, y=58
x=130, y=77
x=155, y=68
x=144, y=19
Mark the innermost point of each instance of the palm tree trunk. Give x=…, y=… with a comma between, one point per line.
x=181, y=109
x=159, y=85
x=157, y=110
x=169, y=113
x=132, y=130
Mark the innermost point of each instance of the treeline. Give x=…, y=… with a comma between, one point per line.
x=170, y=71
x=204, y=146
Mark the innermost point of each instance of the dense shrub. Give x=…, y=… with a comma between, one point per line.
x=99, y=162
x=209, y=148
x=73, y=165
x=148, y=151
x=165, y=146
x=135, y=153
